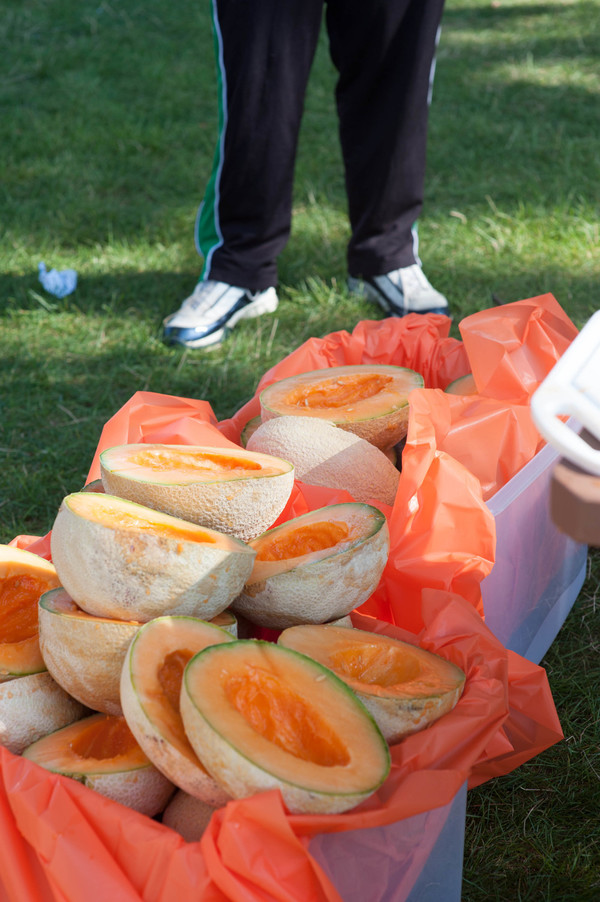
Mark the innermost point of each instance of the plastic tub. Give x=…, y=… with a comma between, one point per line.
x=539, y=570
x=415, y=860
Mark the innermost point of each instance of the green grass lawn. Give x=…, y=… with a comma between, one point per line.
x=107, y=124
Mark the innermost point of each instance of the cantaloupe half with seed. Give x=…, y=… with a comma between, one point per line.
x=84, y=653
x=32, y=706
x=101, y=752
x=465, y=385
x=263, y=717
x=406, y=688
x=324, y=455
x=150, y=689
x=23, y=578
x=187, y=815
x=316, y=567
x=118, y=559
x=370, y=400
x=234, y=491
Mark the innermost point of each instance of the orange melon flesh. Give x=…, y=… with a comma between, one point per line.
x=24, y=577
x=115, y=516
x=151, y=680
x=98, y=743
x=316, y=567
x=101, y=752
x=303, y=540
x=405, y=687
x=261, y=697
x=260, y=719
x=369, y=400
x=182, y=464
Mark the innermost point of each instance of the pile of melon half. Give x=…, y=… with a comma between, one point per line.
x=129, y=663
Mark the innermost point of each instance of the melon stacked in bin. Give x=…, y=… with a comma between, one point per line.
x=180, y=535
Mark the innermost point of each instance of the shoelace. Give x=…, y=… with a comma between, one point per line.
x=201, y=298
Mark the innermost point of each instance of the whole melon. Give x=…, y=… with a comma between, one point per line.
x=325, y=455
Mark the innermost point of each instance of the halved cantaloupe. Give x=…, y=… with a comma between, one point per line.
x=32, y=706
x=316, y=567
x=187, y=815
x=232, y=490
x=405, y=687
x=370, y=400
x=118, y=559
x=84, y=653
x=324, y=455
x=23, y=578
x=150, y=689
x=101, y=752
x=465, y=385
x=263, y=717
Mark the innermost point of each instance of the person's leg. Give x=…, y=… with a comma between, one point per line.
x=264, y=52
x=384, y=53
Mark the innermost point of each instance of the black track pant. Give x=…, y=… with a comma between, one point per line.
x=383, y=51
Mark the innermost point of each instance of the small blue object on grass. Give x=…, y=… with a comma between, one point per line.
x=59, y=283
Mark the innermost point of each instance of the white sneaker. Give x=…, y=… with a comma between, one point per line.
x=212, y=309
x=402, y=291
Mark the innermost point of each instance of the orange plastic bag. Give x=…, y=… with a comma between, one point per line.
x=82, y=846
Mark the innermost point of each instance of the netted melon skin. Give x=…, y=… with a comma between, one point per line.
x=243, y=508
x=187, y=815
x=145, y=790
x=116, y=574
x=325, y=455
x=85, y=656
x=33, y=706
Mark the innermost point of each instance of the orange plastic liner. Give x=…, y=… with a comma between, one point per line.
x=88, y=847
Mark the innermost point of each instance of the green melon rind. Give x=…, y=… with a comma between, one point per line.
x=213, y=747
x=455, y=387
x=153, y=740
